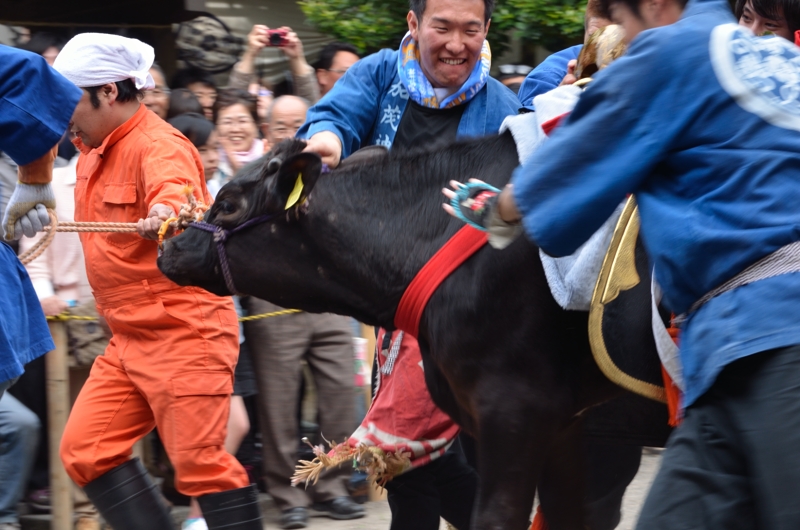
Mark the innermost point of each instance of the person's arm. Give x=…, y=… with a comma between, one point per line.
x=347, y=113
x=547, y=76
x=36, y=105
x=243, y=72
x=304, y=76
x=168, y=167
x=619, y=131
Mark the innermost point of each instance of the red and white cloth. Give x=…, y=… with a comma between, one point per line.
x=403, y=416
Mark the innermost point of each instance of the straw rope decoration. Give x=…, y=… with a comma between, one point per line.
x=381, y=466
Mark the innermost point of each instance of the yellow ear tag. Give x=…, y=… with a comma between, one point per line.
x=296, y=192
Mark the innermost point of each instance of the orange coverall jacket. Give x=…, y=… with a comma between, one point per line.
x=170, y=362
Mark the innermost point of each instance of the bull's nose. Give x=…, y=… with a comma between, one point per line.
x=166, y=260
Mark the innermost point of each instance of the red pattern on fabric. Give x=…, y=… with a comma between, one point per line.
x=549, y=125
x=538, y=520
x=674, y=394
x=456, y=251
x=402, y=415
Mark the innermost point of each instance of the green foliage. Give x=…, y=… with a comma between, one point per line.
x=374, y=24
x=369, y=25
x=554, y=24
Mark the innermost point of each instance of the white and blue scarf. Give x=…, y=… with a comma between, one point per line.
x=420, y=89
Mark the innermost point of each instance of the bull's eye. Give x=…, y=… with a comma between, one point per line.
x=274, y=165
x=226, y=208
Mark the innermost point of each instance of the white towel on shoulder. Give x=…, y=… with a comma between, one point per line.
x=571, y=278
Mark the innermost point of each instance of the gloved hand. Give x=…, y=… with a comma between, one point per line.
x=26, y=212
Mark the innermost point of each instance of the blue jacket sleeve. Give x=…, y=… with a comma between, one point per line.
x=618, y=132
x=351, y=108
x=547, y=76
x=36, y=105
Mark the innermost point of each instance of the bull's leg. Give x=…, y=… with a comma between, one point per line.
x=562, y=484
x=513, y=440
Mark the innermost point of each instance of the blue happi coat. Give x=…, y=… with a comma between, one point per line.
x=366, y=104
x=547, y=76
x=36, y=104
x=701, y=121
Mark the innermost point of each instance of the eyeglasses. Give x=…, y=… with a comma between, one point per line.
x=518, y=69
x=157, y=92
x=337, y=71
x=229, y=122
x=201, y=94
x=283, y=131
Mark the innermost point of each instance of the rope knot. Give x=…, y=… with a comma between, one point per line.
x=220, y=235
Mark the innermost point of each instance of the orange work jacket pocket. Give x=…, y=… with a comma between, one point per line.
x=120, y=193
x=119, y=201
x=201, y=408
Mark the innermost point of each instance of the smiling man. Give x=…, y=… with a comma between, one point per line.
x=435, y=88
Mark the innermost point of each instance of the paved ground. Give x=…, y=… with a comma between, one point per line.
x=379, y=515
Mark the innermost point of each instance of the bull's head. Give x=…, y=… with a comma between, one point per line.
x=275, y=185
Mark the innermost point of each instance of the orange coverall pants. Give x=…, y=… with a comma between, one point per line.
x=169, y=365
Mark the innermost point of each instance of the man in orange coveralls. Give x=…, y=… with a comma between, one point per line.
x=170, y=362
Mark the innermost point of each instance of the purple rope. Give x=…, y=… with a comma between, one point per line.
x=221, y=235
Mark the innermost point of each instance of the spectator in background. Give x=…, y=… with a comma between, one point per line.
x=279, y=346
x=243, y=74
x=264, y=99
x=513, y=75
x=334, y=60
x=202, y=85
x=780, y=17
x=19, y=437
x=201, y=133
x=45, y=44
x=237, y=126
x=284, y=118
x=157, y=98
x=183, y=101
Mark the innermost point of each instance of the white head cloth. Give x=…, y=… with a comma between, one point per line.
x=94, y=59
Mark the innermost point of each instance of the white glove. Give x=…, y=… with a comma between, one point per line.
x=26, y=212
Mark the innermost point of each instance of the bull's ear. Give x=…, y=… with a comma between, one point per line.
x=296, y=178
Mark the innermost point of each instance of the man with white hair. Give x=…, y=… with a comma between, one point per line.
x=170, y=362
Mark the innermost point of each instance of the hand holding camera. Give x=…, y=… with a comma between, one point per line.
x=284, y=38
x=277, y=37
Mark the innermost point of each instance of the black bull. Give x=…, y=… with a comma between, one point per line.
x=500, y=356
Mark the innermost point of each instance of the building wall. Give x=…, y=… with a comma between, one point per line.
x=241, y=15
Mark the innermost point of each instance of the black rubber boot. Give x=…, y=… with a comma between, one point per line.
x=128, y=500
x=232, y=510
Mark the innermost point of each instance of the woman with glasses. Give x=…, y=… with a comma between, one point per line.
x=236, y=117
